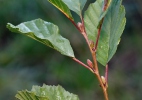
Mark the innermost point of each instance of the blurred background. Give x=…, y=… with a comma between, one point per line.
x=25, y=62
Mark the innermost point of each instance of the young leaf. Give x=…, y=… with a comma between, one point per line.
x=44, y=32
x=112, y=28
x=62, y=7
x=75, y=5
x=46, y=93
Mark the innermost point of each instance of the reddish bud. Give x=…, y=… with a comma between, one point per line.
x=89, y=63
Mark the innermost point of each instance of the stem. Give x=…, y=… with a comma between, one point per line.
x=106, y=74
x=95, y=69
x=81, y=63
x=105, y=4
x=102, y=86
x=74, y=24
x=98, y=36
x=100, y=27
x=95, y=63
x=92, y=52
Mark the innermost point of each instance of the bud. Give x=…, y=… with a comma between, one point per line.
x=89, y=63
x=80, y=26
x=92, y=45
x=103, y=80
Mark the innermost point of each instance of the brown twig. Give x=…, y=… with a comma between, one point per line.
x=74, y=24
x=81, y=63
x=95, y=63
x=95, y=69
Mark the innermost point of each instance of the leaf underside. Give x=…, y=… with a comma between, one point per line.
x=44, y=32
x=111, y=31
x=46, y=93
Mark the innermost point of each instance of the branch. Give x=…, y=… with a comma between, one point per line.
x=81, y=63
x=73, y=22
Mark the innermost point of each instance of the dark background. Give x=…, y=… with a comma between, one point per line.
x=25, y=62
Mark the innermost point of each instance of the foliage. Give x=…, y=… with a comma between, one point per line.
x=18, y=53
x=110, y=32
x=109, y=35
x=102, y=41
x=46, y=33
x=46, y=93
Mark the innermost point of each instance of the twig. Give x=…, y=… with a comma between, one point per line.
x=106, y=74
x=95, y=69
x=81, y=63
x=74, y=24
x=95, y=64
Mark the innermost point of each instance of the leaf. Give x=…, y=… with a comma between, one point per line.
x=82, y=4
x=62, y=7
x=75, y=5
x=112, y=28
x=44, y=32
x=46, y=93
x=27, y=95
x=92, y=18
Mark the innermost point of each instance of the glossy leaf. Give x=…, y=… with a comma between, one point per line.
x=62, y=7
x=112, y=29
x=75, y=5
x=44, y=32
x=46, y=93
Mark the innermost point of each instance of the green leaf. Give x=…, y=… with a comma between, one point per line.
x=28, y=95
x=75, y=5
x=93, y=16
x=112, y=29
x=44, y=32
x=82, y=4
x=46, y=93
x=62, y=7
